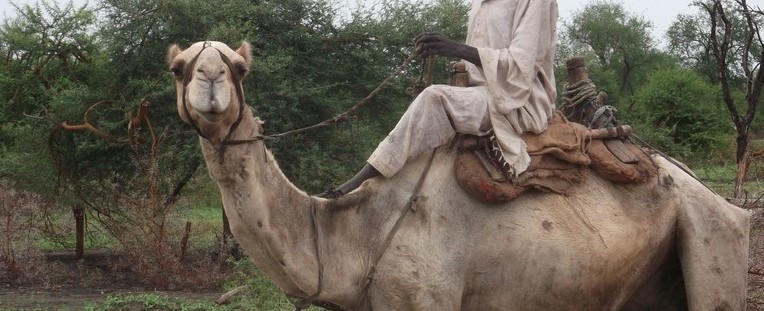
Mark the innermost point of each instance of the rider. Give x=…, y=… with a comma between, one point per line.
x=510, y=53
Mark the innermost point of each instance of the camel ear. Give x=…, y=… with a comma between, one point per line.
x=245, y=51
x=175, y=66
x=173, y=52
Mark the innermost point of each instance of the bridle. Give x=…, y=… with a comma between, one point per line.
x=188, y=76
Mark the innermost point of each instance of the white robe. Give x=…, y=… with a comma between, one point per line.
x=513, y=93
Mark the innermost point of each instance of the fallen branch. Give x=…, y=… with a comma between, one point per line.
x=227, y=296
x=755, y=271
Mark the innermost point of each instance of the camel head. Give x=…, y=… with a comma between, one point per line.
x=208, y=78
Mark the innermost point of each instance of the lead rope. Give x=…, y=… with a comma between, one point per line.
x=410, y=206
x=305, y=303
x=344, y=116
x=420, y=85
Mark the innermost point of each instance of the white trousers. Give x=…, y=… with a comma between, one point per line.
x=432, y=120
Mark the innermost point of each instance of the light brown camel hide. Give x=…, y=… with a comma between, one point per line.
x=667, y=244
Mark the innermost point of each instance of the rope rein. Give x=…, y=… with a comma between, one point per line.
x=344, y=116
x=304, y=303
x=390, y=235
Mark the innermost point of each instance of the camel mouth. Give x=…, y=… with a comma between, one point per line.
x=210, y=110
x=210, y=100
x=210, y=117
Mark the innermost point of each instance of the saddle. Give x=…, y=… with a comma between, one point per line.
x=561, y=155
x=560, y=158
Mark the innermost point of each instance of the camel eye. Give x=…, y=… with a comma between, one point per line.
x=177, y=69
x=240, y=69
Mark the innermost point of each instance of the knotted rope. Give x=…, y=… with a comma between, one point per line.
x=581, y=103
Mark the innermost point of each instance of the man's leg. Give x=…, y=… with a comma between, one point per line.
x=432, y=120
x=365, y=173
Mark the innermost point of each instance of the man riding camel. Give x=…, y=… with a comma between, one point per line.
x=509, y=52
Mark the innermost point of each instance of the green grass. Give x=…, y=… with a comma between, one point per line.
x=150, y=301
x=721, y=178
x=261, y=294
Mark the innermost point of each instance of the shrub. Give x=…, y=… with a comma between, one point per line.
x=20, y=214
x=682, y=114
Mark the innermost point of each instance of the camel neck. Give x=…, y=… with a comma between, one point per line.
x=269, y=216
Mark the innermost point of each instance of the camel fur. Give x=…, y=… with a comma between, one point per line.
x=662, y=245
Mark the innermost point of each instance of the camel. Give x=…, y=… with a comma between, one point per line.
x=417, y=241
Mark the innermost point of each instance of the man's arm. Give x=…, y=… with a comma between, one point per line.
x=433, y=43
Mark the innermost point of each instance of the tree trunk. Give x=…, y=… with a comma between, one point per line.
x=743, y=163
x=228, y=241
x=79, y=219
x=184, y=179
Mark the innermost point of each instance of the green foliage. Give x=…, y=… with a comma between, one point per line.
x=688, y=42
x=684, y=112
x=308, y=68
x=616, y=40
x=610, y=31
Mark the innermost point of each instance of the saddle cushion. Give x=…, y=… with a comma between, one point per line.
x=607, y=165
x=558, y=159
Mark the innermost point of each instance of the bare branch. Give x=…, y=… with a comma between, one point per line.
x=135, y=122
x=719, y=51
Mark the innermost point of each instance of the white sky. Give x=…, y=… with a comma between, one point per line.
x=660, y=12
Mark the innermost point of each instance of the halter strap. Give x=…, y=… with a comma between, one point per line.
x=188, y=75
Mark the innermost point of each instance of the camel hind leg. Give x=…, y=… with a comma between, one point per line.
x=712, y=242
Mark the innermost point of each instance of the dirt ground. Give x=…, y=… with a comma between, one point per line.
x=756, y=262
x=101, y=282
x=77, y=297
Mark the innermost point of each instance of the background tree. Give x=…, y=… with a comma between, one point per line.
x=617, y=40
x=47, y=57
x=687, y=41
x=731, y=41
x=308, y=67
